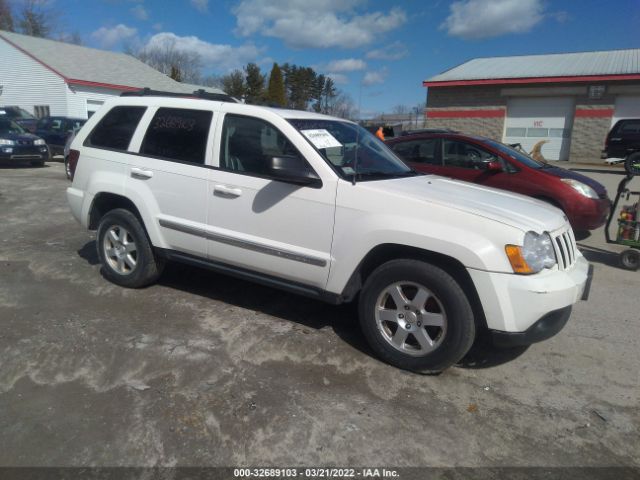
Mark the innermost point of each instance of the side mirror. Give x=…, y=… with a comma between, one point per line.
x=494, y=166
x=293, y=169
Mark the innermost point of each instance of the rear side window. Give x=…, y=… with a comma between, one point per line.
x=421, y=151
x=630, y=127
x=116, y=128
x=178, y=134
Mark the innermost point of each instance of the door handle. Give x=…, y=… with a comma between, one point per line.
x=226, y=191
x=140, y=173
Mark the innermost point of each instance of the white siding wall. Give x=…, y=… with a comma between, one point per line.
x=27, y=83
x=78, y=95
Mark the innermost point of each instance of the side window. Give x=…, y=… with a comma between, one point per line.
x=464, y=155
x=420, y=151
x=178, y=134
x=248, y=144
x=630, y=127
x=116, y=128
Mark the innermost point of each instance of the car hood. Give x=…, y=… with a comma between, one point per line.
x=519, y=211
x=564, y=173
x=19, y=136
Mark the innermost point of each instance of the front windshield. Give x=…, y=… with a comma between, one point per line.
x=515, y=154
x=351, y=149
x=9, y=126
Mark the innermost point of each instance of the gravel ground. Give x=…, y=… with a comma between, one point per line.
x=202, y=369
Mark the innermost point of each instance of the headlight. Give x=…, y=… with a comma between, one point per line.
x=39, y=142
x=581, y=188
x=535, y=254
x=4, y=141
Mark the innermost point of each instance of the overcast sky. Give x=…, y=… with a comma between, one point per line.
x=377, y=51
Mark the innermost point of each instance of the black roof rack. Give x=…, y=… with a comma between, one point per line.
x=201, y=94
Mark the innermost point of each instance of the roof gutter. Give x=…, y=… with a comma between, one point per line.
x=515, y=81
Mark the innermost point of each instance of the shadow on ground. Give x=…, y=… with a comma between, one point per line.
x=342, y=319
x=598, y=255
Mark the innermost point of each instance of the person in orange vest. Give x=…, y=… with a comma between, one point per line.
x=380, y=134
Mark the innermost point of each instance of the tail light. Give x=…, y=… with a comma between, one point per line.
x=74, y=156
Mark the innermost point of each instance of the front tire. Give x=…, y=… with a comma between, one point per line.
x=125, y=251
x=415, y=316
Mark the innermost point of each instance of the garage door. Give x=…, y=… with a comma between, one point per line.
x=626, y=107
x=530, y=120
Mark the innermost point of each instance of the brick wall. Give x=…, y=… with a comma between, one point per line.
x=589, y=131
x=471, y=109
x=487, y=127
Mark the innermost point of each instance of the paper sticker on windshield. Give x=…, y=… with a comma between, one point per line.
x=321, y=138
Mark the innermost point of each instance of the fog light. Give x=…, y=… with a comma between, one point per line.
x=7, y=150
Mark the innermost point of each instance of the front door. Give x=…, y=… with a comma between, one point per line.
x=262, y=224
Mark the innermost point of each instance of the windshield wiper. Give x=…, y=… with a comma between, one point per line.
x=410, y=173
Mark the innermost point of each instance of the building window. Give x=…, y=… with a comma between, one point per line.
x=41, y=111
x=596, y=91
x=516, y=132
x=537, y=132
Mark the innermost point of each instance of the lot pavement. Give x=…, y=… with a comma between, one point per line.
x=203, y=369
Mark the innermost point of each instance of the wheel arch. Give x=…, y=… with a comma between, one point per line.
x=104, y=202
x=391, y=251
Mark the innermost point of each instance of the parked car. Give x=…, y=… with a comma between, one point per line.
x=20, y=116
x=56, y=130
x=494, y=164
x=623, y=141
x=17, y=146
x=318, y=206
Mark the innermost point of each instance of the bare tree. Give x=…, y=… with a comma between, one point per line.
x=166, y=58
x=401, y=109
x=75, y=38
x=6, y=18
x=341, y=105
x=37, y=18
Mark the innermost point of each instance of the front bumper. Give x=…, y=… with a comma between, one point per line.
x=545, y=328
x=15, y=155
x=589, y=215
x=514, y=303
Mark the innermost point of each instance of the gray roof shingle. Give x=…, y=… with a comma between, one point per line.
x=616, y=62
x=76, y=62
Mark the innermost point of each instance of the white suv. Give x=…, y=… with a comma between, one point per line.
x=318, y=206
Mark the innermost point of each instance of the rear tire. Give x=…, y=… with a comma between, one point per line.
x=415, y=316
x=125, y=251
x=630, y=259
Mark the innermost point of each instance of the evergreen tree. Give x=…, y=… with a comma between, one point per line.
x=255, y=92
x=233, y=84
x=276, y=94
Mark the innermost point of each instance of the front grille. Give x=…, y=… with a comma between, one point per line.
x=26, y=157
x=24, y=143
x=566, y=249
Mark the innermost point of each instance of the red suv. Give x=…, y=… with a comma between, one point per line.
x=494, y=164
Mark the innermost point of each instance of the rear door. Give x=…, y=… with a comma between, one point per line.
x=169, y=177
